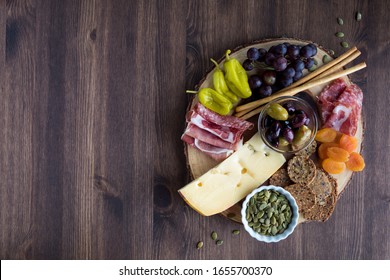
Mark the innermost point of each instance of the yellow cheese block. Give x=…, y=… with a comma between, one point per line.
x=233, y=179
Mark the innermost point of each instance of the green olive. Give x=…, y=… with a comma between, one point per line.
x=302, y=135
x=283, y=142
x=277, y=112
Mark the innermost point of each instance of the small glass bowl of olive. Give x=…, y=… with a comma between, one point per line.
x=288, y=124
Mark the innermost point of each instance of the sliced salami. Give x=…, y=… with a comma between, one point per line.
x=347, y=110
x=329, y=96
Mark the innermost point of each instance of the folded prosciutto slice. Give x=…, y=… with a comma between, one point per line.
x=341, y=106
x=217, y=136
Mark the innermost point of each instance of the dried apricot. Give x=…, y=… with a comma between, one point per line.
x=323, y=149
x=348, y=143
x=326, y=135
x=337, y=154
x=355, y=162
x=333, y=167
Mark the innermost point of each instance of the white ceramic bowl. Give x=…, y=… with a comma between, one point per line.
x=291, y=226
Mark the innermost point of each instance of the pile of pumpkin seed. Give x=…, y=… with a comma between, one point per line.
x=268, y=212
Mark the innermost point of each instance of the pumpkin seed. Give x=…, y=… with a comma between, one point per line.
x=274, y=230
x=326, y=59
x=236, y=232
x=358, y=16
x=314, y=67
x=340, y=21
x=344, y=44
x=339, y=34
x=315, y=61
x=199, y=245
x=219, y=242
x=214, y=235
x=331, y=52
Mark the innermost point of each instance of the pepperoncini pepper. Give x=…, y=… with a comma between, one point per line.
x=220, y=83
x=214, y=101
x=236, y=77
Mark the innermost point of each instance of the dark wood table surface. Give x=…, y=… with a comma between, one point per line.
x=92, y=110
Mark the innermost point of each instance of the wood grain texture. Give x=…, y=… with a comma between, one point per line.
x=92, y=108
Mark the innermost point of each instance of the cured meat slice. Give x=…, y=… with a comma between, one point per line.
x=227, y=121
x=216, y=153
x=227, y=134
x=207, y=137
x=347, y=110
x=216, y=135
x=329, y=96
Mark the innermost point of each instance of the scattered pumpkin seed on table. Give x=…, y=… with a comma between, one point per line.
x=236, y=232
x=219, y=242
x=344, y=44
x=340, y=21
x=358, y=16
x=199, y=245
x=339, y=34
x=214, y=235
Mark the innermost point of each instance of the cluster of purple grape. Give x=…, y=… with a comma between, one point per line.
x=279, y=67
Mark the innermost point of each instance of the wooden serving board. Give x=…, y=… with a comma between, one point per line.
x=199, y=163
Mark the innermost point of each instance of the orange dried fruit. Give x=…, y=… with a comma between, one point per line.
x=348, y=143
x=355, y=162
x=337, y=154
x=323, y=149
x=333, y=167
x=326, y=135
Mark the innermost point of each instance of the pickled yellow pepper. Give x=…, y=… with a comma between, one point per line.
x=220, y=83
x=214, y=101
x=236, y=77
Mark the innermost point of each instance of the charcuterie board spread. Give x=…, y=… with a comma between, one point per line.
x=306, y=140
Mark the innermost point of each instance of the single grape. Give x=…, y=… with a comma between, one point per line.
x=313, y=48
x=289, y=72
x=268, y=121
x=269, y=77
x=285, y=82
x=275, y=129
x=299, y=65
x=264, y=91
x=262, y=53
x=306, y=51
x=279, y=64
x=254, y=81
x=309, y=63
x=297, y=76
x=280, y=50
x=293, y=52
x=269, y=58
x=253, y=54
x=248, y=65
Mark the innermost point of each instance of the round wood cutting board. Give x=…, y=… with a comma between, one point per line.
x=199, y=163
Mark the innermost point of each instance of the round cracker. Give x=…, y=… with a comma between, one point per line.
x=301, y=170
x=309, y=150
x=280, y=178
x=321, y=186
x=323, y=212
x=303, y=195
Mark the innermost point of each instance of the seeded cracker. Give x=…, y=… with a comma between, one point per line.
x=303, y=195
x=309, y=150
x=321, y=186
x=301, y=170
x=280, y=178
x=323, y=212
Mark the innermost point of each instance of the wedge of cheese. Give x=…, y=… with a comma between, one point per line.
x=233, y=179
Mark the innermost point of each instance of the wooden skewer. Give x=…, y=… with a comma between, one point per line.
x=308, y=77
x=304, y=87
